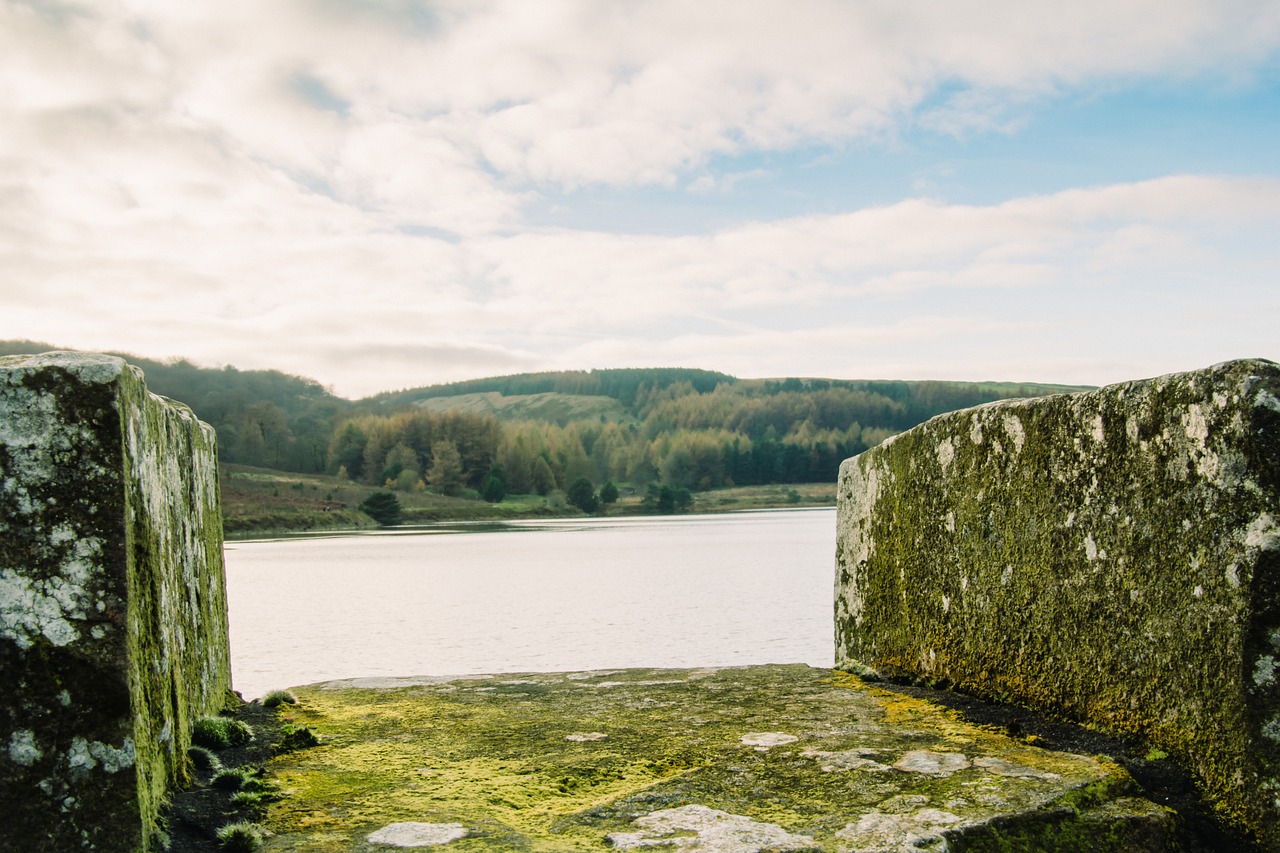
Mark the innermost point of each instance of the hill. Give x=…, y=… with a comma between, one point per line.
x=539, y=433
x=552, y=407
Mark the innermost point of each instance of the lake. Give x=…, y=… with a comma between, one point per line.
x=537, y=596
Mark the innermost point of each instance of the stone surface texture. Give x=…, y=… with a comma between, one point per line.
x=113, y=621
x=1112, y=556
x=732, y=760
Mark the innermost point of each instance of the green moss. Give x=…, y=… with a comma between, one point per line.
x=557, y=762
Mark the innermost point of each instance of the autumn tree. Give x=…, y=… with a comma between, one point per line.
x=446, y=468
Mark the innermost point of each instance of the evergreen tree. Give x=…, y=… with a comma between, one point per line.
x=382, y=507
x=582, y=494
x=494, y=487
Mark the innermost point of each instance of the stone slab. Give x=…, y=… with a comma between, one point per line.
x=1112, y=556
x=113, y=621
x=764, y=758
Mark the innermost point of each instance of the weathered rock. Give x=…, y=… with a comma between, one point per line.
x=1113, y=556
x=113, y=621
x=734, y=760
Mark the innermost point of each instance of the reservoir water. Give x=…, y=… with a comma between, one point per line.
x=713, y=590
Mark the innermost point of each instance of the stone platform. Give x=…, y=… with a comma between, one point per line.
x=763, y=758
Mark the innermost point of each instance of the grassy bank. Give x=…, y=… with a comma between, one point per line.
x=257, y=501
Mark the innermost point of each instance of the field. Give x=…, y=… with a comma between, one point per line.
x=258, y=500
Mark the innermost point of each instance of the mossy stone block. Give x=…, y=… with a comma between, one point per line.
x=1112, y=556
x=718, y=760
x=113, y=614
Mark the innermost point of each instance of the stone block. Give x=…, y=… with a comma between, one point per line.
x=1112, y=556
x=717, y=760
x=113, y=615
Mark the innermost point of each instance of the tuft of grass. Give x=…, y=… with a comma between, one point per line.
x=1155, y=754
x=220, y=733
x=203, y=759
x=232, y=780
x=253, y=802
x=277, y=698
x=211, y=733
x=241, y=836
x=297, y=737
x=238, y=732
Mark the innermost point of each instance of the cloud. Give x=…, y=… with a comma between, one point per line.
x=442, y=114
x=348, y=185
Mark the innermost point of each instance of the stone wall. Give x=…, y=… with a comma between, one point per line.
x=1112, y=556
x=113, y=617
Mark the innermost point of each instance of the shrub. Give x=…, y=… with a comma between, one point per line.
x=279, y=697
x=241, y=836
x=582, y=494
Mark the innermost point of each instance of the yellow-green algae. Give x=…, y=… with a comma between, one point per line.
x=561, y=762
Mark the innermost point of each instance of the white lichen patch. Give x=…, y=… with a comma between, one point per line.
x=586, y=737
x=975, y=429
x=1264, y=671
x=766, y=740
x=23, y=749
x=30, y=609
x=85, y=755
x=713, y=831
x=1002, y=767
x=852, y=759
x=1232, y=575
x=1013, y=428
x=1195, y=424
x=946, y=452
x=1262, y=534
x=1271, y=729
x=410, y=834
x=932, y=763
x=918, y=830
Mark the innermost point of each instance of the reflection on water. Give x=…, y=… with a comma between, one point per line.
x=558, y=595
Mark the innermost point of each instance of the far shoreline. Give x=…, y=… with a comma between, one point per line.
x=260, y=503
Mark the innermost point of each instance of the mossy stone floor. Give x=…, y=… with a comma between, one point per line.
x=732, y=759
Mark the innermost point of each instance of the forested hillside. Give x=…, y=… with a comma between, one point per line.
x=541, y=432
x=263, y=417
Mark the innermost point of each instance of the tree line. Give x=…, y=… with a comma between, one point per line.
x=736, y=433
x=681, y=429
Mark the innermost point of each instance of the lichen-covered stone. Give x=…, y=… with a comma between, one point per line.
x=113, y=621
x=1112, y=555
x=731, y=760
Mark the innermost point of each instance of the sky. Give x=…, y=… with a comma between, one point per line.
x=385, y=194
